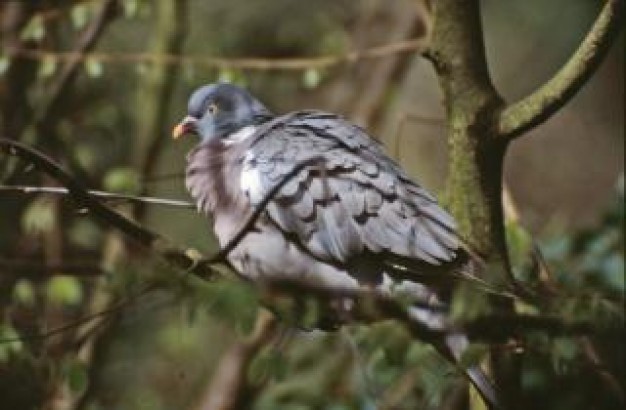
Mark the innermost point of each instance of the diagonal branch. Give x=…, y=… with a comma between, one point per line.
x=188, y=259
x=180, y=258
x=230, y=383
x=85, y=44
x=550, y=97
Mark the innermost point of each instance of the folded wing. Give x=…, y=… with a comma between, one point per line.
x=357, y=200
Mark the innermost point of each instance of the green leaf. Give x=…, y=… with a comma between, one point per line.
x=47, y=67
x=232, y=302
x=613, y=269
x=468, y=303
x=226, y=75
x=564, y=351
x=520, y=244
x=474, y=354
x=533, y=378
x=34, y=30
x=11, y=342
x=311, y=315
x=23, y=292
x=130, y=8
x=93, y=67
x=189, y=72
x=123, y=180
x=311, y=78
x=85, y=233
x=142, y=68
x=80, y=15
x=39, y=217
x=64, y=290
x=4, y=64
x=232, y=76
x=85, y=156
x=268, y=363
x=76, y=375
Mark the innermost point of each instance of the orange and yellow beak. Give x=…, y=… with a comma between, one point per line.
x=186, y=126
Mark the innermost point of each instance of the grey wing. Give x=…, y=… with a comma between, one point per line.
x=356, y=200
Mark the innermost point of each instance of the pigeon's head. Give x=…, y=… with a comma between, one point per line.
x=217, y=110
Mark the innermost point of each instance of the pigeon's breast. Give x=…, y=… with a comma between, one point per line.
x=212, y=176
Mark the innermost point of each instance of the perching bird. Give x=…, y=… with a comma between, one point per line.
x=349, y=218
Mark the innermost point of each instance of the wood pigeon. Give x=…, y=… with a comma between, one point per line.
x=351, y=219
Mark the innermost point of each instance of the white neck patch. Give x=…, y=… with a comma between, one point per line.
x=241, y=135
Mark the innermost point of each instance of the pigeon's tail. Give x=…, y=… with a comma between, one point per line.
x=452, y=349
x=485, y=387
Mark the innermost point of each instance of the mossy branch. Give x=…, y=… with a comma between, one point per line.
x=536, y=108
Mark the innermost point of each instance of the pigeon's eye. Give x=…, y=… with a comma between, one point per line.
x=212, y=109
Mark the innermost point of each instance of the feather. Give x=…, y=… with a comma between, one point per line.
x=353, y=201
x=303, y=206
x=373, y=200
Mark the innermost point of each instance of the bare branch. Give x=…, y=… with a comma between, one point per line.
x=592, y=356
x=116, y=307
x=85, y=43
x=156, y=90
x=34, y=190
x=230, y=380
x=187, y=259
x=180, y=258
x=244, y=63
x=550, y=97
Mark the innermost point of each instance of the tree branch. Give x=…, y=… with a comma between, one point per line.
x=154, y=95
x=114, y=308
x=85, y=43
x=243, y=63
x=550, y=97
x=371, y=306
x=230, y=381
x=177, y=257
x=188, y=259
x=35, y=190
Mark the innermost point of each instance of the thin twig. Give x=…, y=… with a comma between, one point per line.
x=34, y=190
x=592, y=356
x=244, y=63
x=186, y=259
x=180, y=258
x=81, y=321
x=157, y=87
x=86, y=42
x=550, y=97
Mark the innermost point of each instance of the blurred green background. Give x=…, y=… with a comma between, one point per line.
x=110, y=127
